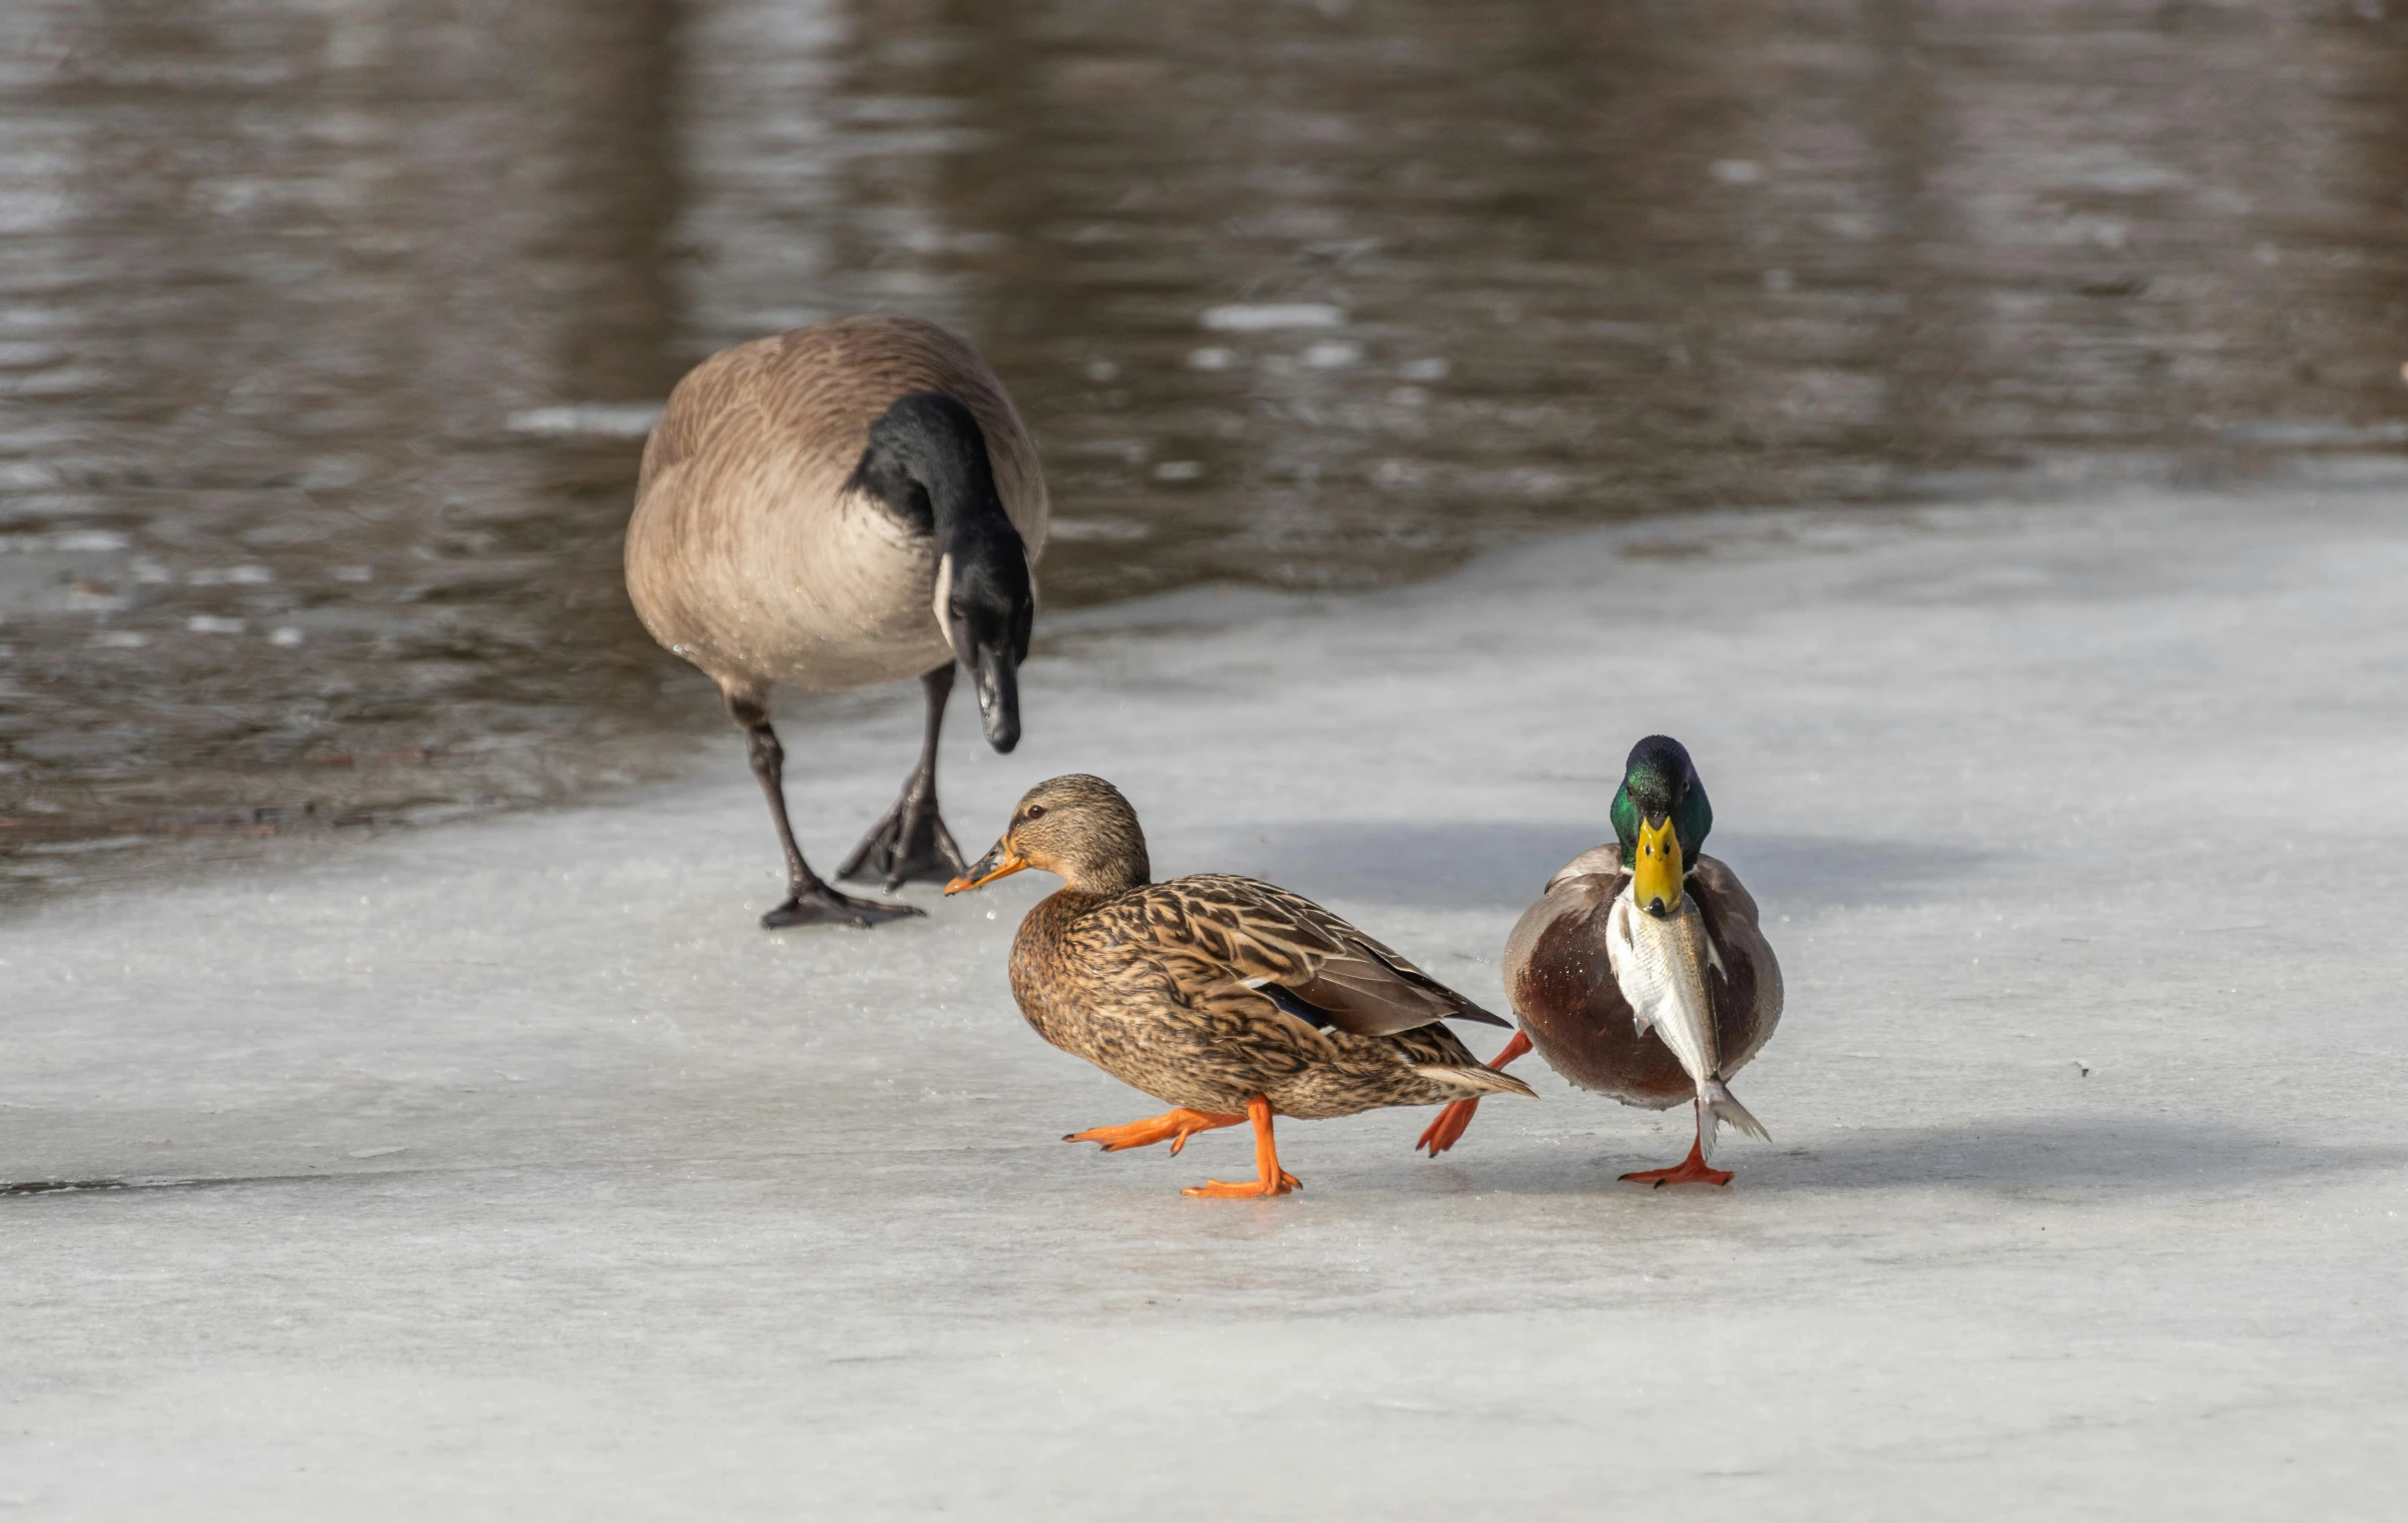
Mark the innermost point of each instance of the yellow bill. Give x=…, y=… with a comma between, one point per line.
x=1656, y=874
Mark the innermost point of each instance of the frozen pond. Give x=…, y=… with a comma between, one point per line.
x=506, y=1167
x=327, y=326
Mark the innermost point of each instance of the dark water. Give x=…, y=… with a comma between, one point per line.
x=326, y=326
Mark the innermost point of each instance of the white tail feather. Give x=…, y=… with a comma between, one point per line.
x=1478, y=1081
x=1716, y=1103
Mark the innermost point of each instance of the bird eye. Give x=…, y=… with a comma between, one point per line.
x=1036, y=812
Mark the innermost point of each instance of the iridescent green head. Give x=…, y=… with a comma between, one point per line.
x=1661, y=816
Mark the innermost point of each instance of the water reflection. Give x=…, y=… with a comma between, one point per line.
x=325, y=328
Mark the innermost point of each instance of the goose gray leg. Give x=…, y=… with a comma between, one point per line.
x=911, y=843
x=809, y=901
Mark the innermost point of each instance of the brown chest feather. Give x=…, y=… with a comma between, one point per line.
x=1563, y=986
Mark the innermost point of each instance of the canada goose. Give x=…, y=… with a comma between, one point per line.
x=844, y=504
x=1640, y=971
x=1226, y=999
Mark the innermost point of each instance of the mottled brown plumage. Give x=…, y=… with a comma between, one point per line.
x=1149, y=985
x=1211, y=991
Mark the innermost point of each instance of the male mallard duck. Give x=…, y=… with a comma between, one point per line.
x=1226, y=999
x=841, y=505
x=1648, y=981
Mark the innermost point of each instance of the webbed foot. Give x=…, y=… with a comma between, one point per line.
x=1173, y=1127
x=1225, y=1189
x=1453, y=1119
x=910, y=845
x=1691, y=1170
x=1457, y=1115
x=1269, y=1179
x=823, y=905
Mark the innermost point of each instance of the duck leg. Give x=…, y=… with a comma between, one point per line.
x=809, y=901
x=1690, y=1170
x=1173, y=1127
x=911, y=843
x=1448, y=1128
x=1269, y=1179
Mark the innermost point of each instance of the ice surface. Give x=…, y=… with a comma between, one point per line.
x=510, y=1170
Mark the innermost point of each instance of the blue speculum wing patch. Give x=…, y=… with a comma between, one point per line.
x=1311, y=1015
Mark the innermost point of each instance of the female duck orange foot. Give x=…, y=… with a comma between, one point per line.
x=1454, y=1119
x=1269, y=1179
x=1456, y=1116
x=1172, y=1127
x=1690, y=1170
x=1230, y=1190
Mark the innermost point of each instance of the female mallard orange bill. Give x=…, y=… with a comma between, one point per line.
x=1691, y=991
x=1229, y=999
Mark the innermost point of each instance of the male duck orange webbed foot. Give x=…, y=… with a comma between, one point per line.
x=1456, y=1117
x=1173, y=1127
x=1691, y=1170
x=1269, y=1179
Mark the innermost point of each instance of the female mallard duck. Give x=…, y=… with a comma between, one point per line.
x=1226, y=999
x=1640, y=971
x=840, y=505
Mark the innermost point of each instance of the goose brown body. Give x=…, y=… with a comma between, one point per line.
x=1151, y=984
x=753, y=556
x=840, y=505
x=1574, y=1012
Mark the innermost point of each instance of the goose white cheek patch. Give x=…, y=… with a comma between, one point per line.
x=944, y=594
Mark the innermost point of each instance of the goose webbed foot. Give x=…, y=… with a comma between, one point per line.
x=910, y=845
x=818, y=904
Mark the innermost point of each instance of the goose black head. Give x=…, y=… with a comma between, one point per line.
x=1661, y=816
x=986, y=603
x=927, y=462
